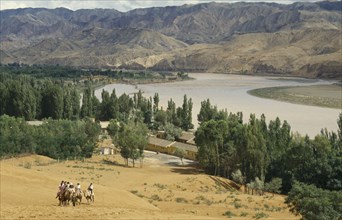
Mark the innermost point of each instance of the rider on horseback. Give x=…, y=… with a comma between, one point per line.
x=60, y=188
x=89, y=194
x=78, y=188
x=90, y=188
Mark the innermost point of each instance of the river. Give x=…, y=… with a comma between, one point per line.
x=230, y=92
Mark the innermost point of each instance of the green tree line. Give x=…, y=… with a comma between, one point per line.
x=226, y=144
x=69, y=72
x=270, y=157
x=54, y=138
x=314, y=203
x=41, y=71
x=32, y=98
x=64, y=110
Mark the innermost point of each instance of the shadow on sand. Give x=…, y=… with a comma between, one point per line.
x=114, y=163
x=188, y=169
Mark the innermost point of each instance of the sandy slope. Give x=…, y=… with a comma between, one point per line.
x=156, y=191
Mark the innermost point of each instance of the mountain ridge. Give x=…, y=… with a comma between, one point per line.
x=296, y=39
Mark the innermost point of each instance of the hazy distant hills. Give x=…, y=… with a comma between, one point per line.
x=298, y=39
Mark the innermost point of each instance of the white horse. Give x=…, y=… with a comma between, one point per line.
x=90, y=196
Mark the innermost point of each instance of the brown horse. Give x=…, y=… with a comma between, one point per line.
x=89, y=196
x=65, y=197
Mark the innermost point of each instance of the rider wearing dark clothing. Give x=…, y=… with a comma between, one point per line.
x=90, y=188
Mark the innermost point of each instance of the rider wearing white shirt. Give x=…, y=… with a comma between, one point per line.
x=78, y=188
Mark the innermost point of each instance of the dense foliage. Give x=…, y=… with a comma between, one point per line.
x=132, y=139
x=269, y=157
x=226, y=144
x=51, y=94
x=54, y=138
x=41, y=71
x=76, y=74
x=314, y=203
x=31, y=98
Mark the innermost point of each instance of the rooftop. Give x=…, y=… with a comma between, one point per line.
x=183, y=146
x=159, y=142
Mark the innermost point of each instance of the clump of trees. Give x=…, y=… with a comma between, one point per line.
x=42, y=71
x=314, y=203
x=271, y=158
x=146, y=110
x=16, y=136
x=226, y=144
x=54, y=138
x=57, y=71
x=274, y=186
x=180, y=117
x=132, y=140
x=33, y=96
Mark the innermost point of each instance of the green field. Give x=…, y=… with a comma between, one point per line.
x=317, y=95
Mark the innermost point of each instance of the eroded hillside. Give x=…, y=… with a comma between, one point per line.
x=298, y=39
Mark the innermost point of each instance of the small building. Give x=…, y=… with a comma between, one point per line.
x=159, y=145
x=161, y=134
x=187, y=137
x=104, y=126
x=190, y=150
x=109, y=150
x=106, y=147
x=169, y=147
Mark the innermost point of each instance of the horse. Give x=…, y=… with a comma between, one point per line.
x=64, y=197
x=76, y=197
x=89, y=196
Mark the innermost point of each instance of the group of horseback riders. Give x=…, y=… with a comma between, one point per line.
x=67, y=191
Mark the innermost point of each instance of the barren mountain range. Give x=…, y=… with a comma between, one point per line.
x=264, y=38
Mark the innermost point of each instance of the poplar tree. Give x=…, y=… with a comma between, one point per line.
x=52, y=102
x=256, y=160
x=210, y=140
x=87, y=103
x=155, y=102
x=125, y=106
x=3, y=97
x=104, y=112
x=186, y=116
x=114, y=105
x=67, y=104
x=171, y=112
x=75, y=104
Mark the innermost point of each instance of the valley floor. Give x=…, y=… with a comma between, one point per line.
x=157, y=190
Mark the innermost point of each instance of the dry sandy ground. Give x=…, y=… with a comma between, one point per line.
x=154, y=191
